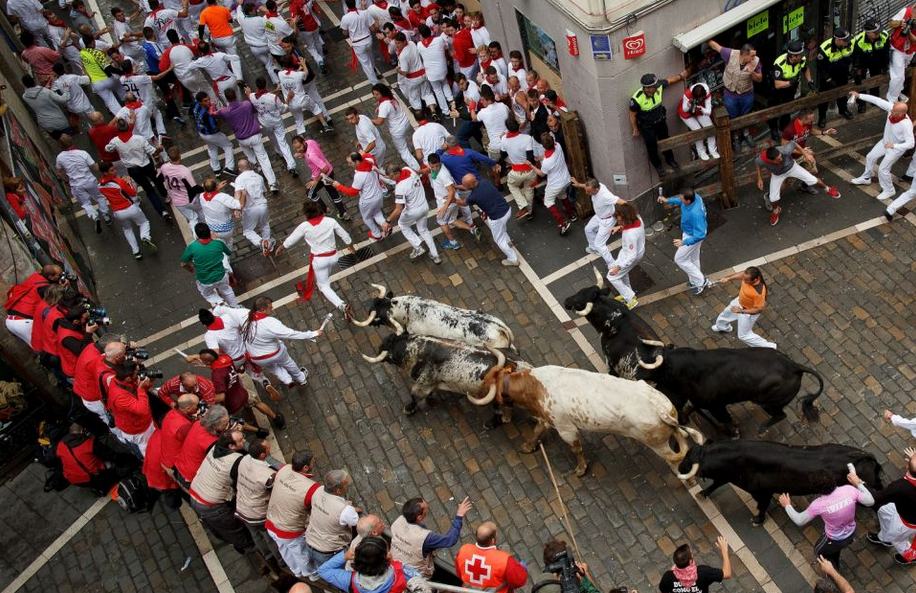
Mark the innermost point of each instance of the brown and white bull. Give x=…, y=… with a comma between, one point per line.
x=573, y=400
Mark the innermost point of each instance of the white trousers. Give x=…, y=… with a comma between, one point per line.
x=501, y=235
x=697, y=122
x=109, y=90
x=130, y=218
x=277, y=134
x=254, y=150
x=745, y=326
x=226, y=83
x=294, y=554
x=796, y=172
x=400, y=139
x=191, y=213
x=140, y=440
x=298, y=106
x=227, y=46
x=314, y=43
x=311, y=89
x=195, y=82
x=897, y=65
x=443, y=93
x=687, y=258
x=97, y=408
x=901, y=201
x=21, y=328
x=262, y=53
x=363, y=53
x=621, y=283
x=218, y=292
x=87, y=195
x=451, y=214
x=214, y=143
x=893, y=530
x=282, y=366
x=322, y=267
x=417, y=217
x=254, y=218
x=185, y=25
x=887, y=158
x=371, y=211
x=378, y=152
x=417, y=91
x=597, y=233
x=552, y=193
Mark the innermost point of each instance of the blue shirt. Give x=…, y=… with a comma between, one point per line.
x=334, y=573
x=435, y=541
x=204, y=120
x=486, y=197
x=461, y=165
x=693, y=219
x=152, y=54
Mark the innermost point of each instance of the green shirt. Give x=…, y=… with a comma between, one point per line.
x=207, y=259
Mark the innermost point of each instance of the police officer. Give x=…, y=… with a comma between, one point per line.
x=784, y=81
x=834, y=59
x=869, y=55
x=647, y=117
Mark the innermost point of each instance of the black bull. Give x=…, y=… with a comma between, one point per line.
x=764, y=468
x=705, y=379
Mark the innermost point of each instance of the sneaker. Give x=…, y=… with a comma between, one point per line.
x=565, y=228
x=591, y=250
x=274, y=188
x=573, y=218
x=510, y=264
x=179, y=120
x=631, y=304
x=278, y=421
x=766, y=201
x=98, y=226
x=808, y=189
x=166, y=216
x=774, y=217
x=862, y=107
x=885, y=195
x=521, y=213
x=451, y=245
x=327, y=130
x=699, y=289
x=704, y=156
x=834, y=192
x=475, y=232
x=714, y=154
x=822, y=123
x=272, y=392
x=720, y=330
x=417, y=252
x=436, y=259
x=862, y=180
x=674, y=166
x=230, y=171
x=888, y=216
x=149, y=245
x=873, y=538
x=323, y=68
x=344, y=216
x=847, y=114
x=774, y=136
x=217, y=172
x=305, y=371
x=107, y=219
x=138, y=255
x=618, y=298
x=899, y=559
x=372, y=237
x=261, y=433
x=293, y=171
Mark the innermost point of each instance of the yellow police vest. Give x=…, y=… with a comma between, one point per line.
x=95, y=62
x=833, y=53
x=647, y=103
x=866, y=46
x=789, y=71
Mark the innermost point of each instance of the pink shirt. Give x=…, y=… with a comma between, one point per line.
x=173, y=178
x=41, y=59
x=315, y=159
x=838, y=510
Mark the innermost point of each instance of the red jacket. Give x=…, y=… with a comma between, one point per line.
x=22, y=298
x=49, y=342
x=193, y=451
x=77, y=459
x=130, y=407
x=465, y=52
x=152, y=465
x=170, y=391
x=86, y=376
x=175, y=427
x=117, y=191
x=68, y=358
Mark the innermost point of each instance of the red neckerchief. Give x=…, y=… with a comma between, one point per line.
x=511, y=134
x=383, y=4
x=259, y=93
x=403, y=23
x=204, y=241
x=549, y=153
x=499, y=57
x=800, y=128
x=217, y=324
x=221, y=362
x=364, y=166
x=134, y=105
x=635, y=225
x=909, y=479
x=258, y=316
x=427, y=41
x=315, y=221
x=456, y=151
x=897, y=120
x=271, y=15
x=478, y=27
x=352, y=10
x=486, y=64
x=404, y=174
x=763, y=157
x=422, y=122
x=125, y=136
x=209, y=195
x=55, y=22
x=383, y=99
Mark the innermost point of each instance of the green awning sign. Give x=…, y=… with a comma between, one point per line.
x=794, y=20
x=758, y=23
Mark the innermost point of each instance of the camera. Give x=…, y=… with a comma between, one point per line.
x=137, y=354
x=67, y=277
x=149, y=373
x=908, y=25
x=564, y=565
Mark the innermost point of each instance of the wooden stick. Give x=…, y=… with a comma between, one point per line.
x=556, y=488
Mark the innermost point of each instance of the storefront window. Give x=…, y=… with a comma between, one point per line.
x=538, y=42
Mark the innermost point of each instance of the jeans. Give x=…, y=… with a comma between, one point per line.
x=738, y=105
x=145, y=177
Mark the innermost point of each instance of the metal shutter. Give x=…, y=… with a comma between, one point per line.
x=880, y=10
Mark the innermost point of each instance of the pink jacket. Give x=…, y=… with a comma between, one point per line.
x=315, y=159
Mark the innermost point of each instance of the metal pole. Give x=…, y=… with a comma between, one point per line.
x=451, y=588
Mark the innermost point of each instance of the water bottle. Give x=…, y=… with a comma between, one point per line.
x=851, y=468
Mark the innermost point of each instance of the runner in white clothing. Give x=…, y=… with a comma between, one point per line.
x=76, y=167
x=249, y=191
x=263, y=337
x=220, y=210
x=447, y=209
x=897, y=139
x=276, y=27
x=225, y=70
x=390, y=110
x=135, y=110
x=598, y=229
x=130, y=41
x=79, y=102
x=633, y=248
x=162, y=20
x=359, y=27
x=434, y=53
x=518, y=150
x=368, y=185
x=412, y=74
x=493, y=115
x=270, y=110
x=553, y=167
x=141, y=85
x=254, y=32
x=411, y=209
x=368, y=138
x=320, y=233
x=292, y=81
x=428, y=137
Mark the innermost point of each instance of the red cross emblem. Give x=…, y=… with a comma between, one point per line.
x=478, y=570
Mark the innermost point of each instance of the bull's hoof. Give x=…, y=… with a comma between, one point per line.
x=581, y=470
x=495, y=421
x=691, y=483
x=410, y=409
x=528, y=447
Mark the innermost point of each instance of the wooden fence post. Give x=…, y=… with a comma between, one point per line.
x=910, y=90
x=729, y=196
x=577, y=153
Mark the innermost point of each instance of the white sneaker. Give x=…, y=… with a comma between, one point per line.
x=885, y=195
x=863, y=180
x=590, y=250
x=510, y=264
x=720, y=330
x=714, y=154
x=417, y=252
x=704, y=156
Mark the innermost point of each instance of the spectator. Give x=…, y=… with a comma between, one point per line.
x=39, y=58
x=288, y=511
x=555, y=551
x=413, y=544
x=84, y=461
x=694, y=109
x=742, y=70
x=331, y=523
x=834, y=583
x=647, y=118
x=373, y=571
x=368, y=525
x=870, y=55
x=834, y=57
x=253, y=487
x=48, y=107
x=14, y=188
x=128, y=402
x=482, y=566
x=197, y=442
x=688, y=577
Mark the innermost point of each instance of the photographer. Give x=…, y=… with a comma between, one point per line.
x=201, y=435
x=74, y=332
x=903, y=46
x=128, y=402
x=559, y=561
x=89, y=366
x=22, y=299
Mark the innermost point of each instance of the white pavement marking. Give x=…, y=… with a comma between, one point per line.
x=211, y=560
x=579, y=263
x=49, y=552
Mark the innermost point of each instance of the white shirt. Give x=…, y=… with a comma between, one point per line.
x=142, y=125
x=471, y=95
x=366, y=132
x=253, y=28
x=900, y=421
x=29, y=13
x=79, y=102
x=440, y=183
x=434, y=57
x=217, y=210
x=276, y=29
x=409, y=60
x=900, y=133
x=604, y=201
x=393, y=113
x=270, y=109
x=409, y=191
x=500, y=87
x=120, y=30
x=321, y=237
x=502, y=67
x=521, y=74
x=379, y=15
x=162, y=21
x=632, y=248
x=292, y=81
x=266, y=334
x=555, y=168
x=141, y=85
x=76, y=164
x=480, y=36
x=182, y=58
x=517, y=147
x=357, y=25
x=135, y=152
x=369, y=185
x=253, y=184
x=217, y=65
x=705, y=109
x=494, y=118
x=429, y=137
x=228, y=339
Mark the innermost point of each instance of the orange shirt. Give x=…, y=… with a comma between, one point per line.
x=752, y=296
x=218, y=19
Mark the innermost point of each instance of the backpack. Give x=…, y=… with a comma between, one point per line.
x=132, y=494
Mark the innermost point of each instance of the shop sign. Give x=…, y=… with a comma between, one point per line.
x=758, y=23
x=572, y=43
x=794, y=20
x=601, y=47
x=634, y=46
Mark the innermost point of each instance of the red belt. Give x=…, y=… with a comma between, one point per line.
x=263, y=356
x=310, y=278
x=281, y=533
x=223, y=78
x=17, y=318
x=522, y=167
x=200, y=499
x=910, y=525
x=416, y=74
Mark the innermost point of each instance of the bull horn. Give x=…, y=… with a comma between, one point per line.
x=367, y=321
x=654, y=365
x=398, y=328
x=585, y=311
x=382, y=356
x=689, y=475
x=482, y=401
x=382, y=291
x=599, y=279
x=652, y=342
x=500, y=357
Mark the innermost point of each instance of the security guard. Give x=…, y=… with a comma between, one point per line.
x=869, y=55
x=784, y=80
x=647, y=117
x=834, y=59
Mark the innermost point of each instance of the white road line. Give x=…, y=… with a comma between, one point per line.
x=579, y=263
x=211, y=560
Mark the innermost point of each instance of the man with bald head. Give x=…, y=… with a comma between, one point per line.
x=175, y=426
x=480, y=565
x=188, y=382
x=897, y=139
x=493, y=208
x=24, y=298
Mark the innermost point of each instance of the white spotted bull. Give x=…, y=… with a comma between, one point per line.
x=573, y=400
x=426, y=317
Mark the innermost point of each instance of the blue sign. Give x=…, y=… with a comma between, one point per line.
x=601, y=47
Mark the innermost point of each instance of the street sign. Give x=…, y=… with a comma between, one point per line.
x=601, y=47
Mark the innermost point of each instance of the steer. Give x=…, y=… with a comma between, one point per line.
x=571, y=400
x=765, y=468
x=436, y=364
x=704, y=379
x=426, y=317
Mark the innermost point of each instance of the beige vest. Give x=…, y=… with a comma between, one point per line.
x=325, y=533
x=737, y=80
x=252, y=492
x=407, y=545
x=212, y=484
x=287, y=511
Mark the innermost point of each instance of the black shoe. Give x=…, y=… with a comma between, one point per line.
x=278, y=421
x=674, y=166
x=323, y=68
x=262, y=433
x=98, y=226
x=862, y=107
x=888, y=216
x=906, y=177
x=808, y=189
x=822, y=123
x=662, y=172
x=229, y=171
x=774, y=136
x=873, y=538
x=293, y=171
x=847, y=114
x=901, y=560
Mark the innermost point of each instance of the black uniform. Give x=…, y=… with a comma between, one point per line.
x=833, y=64
x=652, y=123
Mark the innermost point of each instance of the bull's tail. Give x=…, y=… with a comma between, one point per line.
x=809, y=410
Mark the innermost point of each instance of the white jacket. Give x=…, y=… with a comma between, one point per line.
x=633, y=248
x=900, y=133
x=265, y=335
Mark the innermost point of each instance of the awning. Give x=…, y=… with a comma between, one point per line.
x=726, y=20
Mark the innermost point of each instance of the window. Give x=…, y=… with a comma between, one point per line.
x=538, y=42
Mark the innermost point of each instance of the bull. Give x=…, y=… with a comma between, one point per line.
x=573, y=400
x=765, y=468
x=426, y=317
x=709, y=380
x=436, y=364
